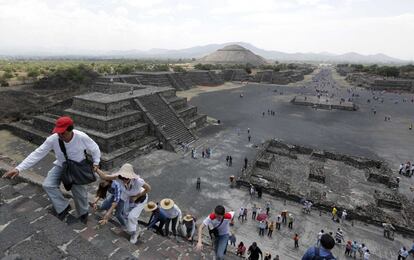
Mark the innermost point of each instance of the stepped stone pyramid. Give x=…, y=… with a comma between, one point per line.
x=233, y=54
x=125, y=119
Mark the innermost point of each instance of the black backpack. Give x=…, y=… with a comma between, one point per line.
x=318, y=257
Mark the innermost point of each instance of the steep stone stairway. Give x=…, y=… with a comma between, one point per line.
x=29, y=230
x=173, y=129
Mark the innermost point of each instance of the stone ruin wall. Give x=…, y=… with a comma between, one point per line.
x=372, y=214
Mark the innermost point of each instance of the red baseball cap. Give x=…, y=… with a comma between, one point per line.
x=62, y=123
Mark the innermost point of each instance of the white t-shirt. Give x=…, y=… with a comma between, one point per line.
x=74, y=149
x=211, y=222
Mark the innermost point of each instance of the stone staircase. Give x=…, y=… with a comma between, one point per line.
x=204, y=78
x=166, y=120
x=178, y=82
x=267, y=77
x=30, y=230
x=153, y=79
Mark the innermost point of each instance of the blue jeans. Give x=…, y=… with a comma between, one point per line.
x=51, y=185
x=118, y=210
x=220, y=246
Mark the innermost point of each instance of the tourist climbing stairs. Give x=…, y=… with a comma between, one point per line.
x=166, y=120
x=29, y=229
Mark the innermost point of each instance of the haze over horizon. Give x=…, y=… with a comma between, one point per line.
x=88, y=27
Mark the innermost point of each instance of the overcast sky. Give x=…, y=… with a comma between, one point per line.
x=336, y=26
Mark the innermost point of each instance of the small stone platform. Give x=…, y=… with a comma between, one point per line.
x=324, y=103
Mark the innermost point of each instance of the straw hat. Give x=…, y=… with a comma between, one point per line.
x=150, y=206
x=267, y=254
x=127, y=171
x=188, y=217
x=167, y=203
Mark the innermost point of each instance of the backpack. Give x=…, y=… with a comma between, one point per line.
x=318, y=257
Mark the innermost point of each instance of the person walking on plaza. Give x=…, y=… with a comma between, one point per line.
x=240, y=216
x=262, y=227
x=230, y=161
x=296, y=239
x=354, y=249
x=75, y=143
x=290, y=221
x=411, y=250
x=218, y=224
x=267, y=207
x=339, y=236
x=319, y=236
x=284, y=216
x=278, y=221
x=403, y=253
x=334, y=212
x=271, y=228
x=232, y=239
x=252, y=190
x=323, y=251
x=254, y=211
x=254, y=252
x=173, y=213
x=343, y=216
x=245, y=214
x=348, y=248
x=245, y=163
x=198, y=185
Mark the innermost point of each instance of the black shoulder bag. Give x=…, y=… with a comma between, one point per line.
x=214, y=234
x=79, y=173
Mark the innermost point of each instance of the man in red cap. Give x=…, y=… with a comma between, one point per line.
x=76, y=142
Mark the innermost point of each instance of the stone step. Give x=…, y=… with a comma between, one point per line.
x=168, y=121
x=31, y=231
x=187, y=112
x=105, y=124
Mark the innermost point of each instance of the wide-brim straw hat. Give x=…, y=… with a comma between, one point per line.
x=127, y=171
x=150, y=206
x=167, y=203
x=188, y=218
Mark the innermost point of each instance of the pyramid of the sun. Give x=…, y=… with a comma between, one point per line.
x=233, y=54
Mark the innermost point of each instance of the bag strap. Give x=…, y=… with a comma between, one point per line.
x=220, y=223
x=63, y=149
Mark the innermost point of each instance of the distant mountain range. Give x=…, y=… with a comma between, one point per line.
x=201, y=51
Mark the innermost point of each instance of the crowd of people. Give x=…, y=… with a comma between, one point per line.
x=124, y=194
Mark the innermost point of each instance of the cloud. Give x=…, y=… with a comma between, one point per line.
x=285, y=25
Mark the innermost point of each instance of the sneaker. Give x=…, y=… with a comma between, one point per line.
x=84, y=218
x=64, y=213
x=134, y=237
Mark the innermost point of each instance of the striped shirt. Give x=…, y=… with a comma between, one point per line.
x=115, y=190
x=339, y=236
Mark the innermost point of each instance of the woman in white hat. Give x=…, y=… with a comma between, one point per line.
x=134, y=194
x=173, y=213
